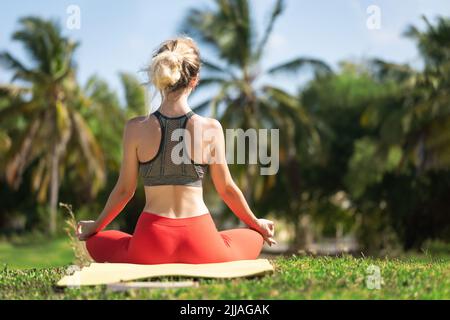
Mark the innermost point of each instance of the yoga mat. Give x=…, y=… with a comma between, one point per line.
x=124, y=286
x=107, y=273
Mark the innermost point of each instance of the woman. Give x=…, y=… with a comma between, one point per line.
x=175, y=225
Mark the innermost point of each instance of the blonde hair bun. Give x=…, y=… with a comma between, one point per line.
x=165, y=69
x=174, y=64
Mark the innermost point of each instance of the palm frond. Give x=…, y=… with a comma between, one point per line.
x=19, y=157
x=387, y=70
x=227, y=29
x=276, y=12
x=295, y=65
x=20, y=71
x=213, y=67
x=12, y=91
x=134, y=94
x=204, y=82
x=91, y=151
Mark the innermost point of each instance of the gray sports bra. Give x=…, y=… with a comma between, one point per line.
x=161, y=170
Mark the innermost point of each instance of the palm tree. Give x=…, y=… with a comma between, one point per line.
x=228, y=30
x=424, y=112
x=55, y=127
x=408, y=148
x=9, y=94
x=134, y=95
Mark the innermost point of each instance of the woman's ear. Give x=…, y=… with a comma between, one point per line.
x=195, y=81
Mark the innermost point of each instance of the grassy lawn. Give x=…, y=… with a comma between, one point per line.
x=295, y=277
x=37, y=253
x=31, y=271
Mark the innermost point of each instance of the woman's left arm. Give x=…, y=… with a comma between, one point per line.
x=125, y=187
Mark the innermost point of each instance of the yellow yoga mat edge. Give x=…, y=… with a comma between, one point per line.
x=107, y=273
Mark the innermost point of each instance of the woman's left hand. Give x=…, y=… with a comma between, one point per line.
x=85, y=229
x=267, y=230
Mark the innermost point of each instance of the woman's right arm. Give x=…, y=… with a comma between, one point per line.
x=229, y=191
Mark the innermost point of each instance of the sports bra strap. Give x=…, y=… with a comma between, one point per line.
x=189, y=114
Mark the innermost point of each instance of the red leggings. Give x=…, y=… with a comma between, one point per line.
x=159, y=239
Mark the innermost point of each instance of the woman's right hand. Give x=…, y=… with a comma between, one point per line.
x=85, y=229
x=267, y=230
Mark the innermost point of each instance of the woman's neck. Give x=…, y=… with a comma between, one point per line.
x=173, y=106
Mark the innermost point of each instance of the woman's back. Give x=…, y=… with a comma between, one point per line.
x=173, y=189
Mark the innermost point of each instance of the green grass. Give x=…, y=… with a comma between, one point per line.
x=30, y=271
x=36, y=253
x=295, y=277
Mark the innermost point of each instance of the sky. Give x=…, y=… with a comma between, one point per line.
x=120, y=35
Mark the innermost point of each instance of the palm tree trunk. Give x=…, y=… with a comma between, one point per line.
x=58, y=151
x=54, y=186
